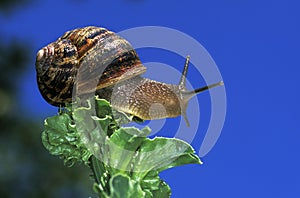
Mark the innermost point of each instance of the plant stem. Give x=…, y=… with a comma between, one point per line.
x=101, y=175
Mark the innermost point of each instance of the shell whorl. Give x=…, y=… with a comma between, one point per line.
x=98, y=54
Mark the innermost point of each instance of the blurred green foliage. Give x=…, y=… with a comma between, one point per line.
x=26, y=168
x=8, y=6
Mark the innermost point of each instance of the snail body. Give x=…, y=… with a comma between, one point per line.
x=96, y=60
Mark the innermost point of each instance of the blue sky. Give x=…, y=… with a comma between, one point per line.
x=256, y=47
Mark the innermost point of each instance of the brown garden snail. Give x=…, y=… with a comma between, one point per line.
x=93, y=59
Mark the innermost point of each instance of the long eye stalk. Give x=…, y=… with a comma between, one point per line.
x=186, y=94
x=199, y=90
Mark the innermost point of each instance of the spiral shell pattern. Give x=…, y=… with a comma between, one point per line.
x=97, y=53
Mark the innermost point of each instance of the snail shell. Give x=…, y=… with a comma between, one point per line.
x=102, y=51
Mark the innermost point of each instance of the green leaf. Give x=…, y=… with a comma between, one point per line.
x=122, y=186
x=61, y=138
x=122, y=146
x=93, y=129
x=103, y=107
x=101, y=175
x=129, y=138
x=151, y=181
x=125, y=163
x=160, y=153
x=164, y=190
x=152, y=184
x=86, y=121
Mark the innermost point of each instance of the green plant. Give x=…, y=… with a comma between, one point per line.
x=123, y=160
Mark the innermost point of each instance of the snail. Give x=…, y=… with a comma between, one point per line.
x=96, y=60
